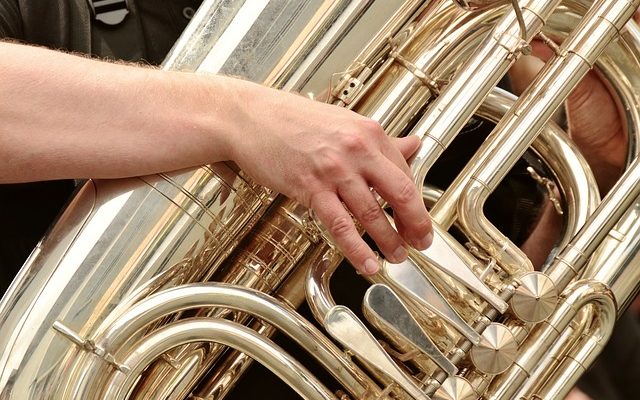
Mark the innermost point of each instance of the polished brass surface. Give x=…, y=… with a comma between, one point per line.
x=392, y=317
x=535, y=297
x=166, y=286
x=497, y=350
x=456, y=388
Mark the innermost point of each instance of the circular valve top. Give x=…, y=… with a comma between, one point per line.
x=455, y=388
x=535, y=298
x=497, y=349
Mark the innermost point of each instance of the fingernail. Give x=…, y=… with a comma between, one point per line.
x=370, y=266
x=399, y=255
x=425, y=242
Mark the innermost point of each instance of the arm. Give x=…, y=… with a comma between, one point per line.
x=65, y=116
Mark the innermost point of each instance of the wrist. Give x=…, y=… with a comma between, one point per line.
x=208, y=112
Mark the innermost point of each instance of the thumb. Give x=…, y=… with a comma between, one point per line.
x=407, y=145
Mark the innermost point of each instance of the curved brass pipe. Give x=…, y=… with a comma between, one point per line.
x=219, y=331
x=514, y=134
x=576, y=182
x=536, y=347
x=448, y=114
x=243, y=299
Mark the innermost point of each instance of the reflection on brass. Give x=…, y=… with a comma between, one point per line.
x=497, y=350
x=456, y=388
x=144, y=284
x=535, y=298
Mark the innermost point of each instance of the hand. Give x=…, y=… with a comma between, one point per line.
x=318, y=154
x=323, y=156
x=576, y=394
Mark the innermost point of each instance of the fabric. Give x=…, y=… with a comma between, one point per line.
x=146, y=35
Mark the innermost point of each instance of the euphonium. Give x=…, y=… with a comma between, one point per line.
x=144, y=285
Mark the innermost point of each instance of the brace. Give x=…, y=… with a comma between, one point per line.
x=433, y=86
x=88, y=346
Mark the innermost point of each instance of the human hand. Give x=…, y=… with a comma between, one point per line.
x=577, y=394
x=323, y=156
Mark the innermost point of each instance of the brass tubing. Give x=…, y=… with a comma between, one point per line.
x=466, y=92
x=566, y=375
x=516, y=132
x=218, y=331
x=616, y=260
x=330, y=30
x=569, y=337
x=473, y=5
x=247, y=300
x=577, y=295
x=228, y=371
x=269, y=252
x=572, y=173
x=548, y=91
x=292, y=293
x=433, y=48
x=318, y=289
x=573, y=258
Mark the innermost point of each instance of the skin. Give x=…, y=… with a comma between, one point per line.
x=106, y=120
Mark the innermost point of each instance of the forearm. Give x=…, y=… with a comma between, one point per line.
x=64, y=116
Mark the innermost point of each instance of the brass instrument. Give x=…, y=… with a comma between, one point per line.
x=144, y=284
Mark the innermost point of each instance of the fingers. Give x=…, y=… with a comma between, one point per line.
x=337, y=220
x=401, y=193
x=373, y=219
x=399, y=150
x=407, y=145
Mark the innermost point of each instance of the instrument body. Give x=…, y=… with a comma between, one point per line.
x=119, y=281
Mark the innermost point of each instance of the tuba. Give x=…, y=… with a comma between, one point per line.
x=168, y=286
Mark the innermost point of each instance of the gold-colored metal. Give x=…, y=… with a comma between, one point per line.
x=535, y=297
x=163, y=273
x=497, y=350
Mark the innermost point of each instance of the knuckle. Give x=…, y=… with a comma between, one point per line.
x=330, y=165
x=370, y=213
x=340, y=227
x=355, y=249
x=423, y=226
x=407, y=192
x=371, y=127
x=355, y=142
